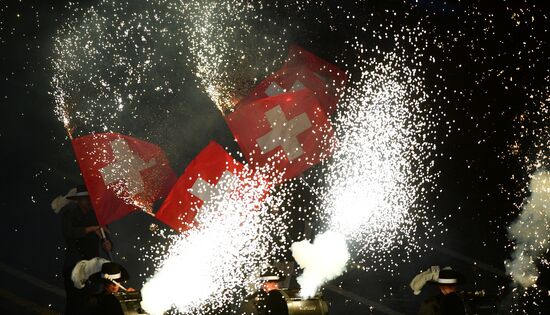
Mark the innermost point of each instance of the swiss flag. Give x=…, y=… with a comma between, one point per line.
x=333, y=78
x=292, y=79
x=289, y=132
x=122, y=173
x=213, y=174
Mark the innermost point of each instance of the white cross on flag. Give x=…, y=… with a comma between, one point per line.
x=122, y=173
x=207, y=192
x=211, y=176
x=292, y=79
x=289, y=132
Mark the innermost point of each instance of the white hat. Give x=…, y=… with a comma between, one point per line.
x=448, y=276
x=61, y=201
x=79, y=191
x=84, y=269
x=420, y=280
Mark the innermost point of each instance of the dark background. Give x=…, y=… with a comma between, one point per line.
x=488, y=104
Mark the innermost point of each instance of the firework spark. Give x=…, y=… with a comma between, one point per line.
x=113, y=59
x=382, y=162
x=235, y=44
x=374, y=192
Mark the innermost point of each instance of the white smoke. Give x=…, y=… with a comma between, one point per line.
x=531, y=232
x=322, y=260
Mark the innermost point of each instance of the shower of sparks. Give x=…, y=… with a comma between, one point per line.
x=113, y=59
x=209, y=269
x=235, y=44
x=225, y=50
x=116, y=59
x=378, y=177
x=531, y=126
x=533, y=133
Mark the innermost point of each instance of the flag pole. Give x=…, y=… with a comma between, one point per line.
x=104, y=238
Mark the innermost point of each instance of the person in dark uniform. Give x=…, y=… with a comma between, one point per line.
x=449, y=301
x=82, y=240
x=268, y=300
x=102, y=287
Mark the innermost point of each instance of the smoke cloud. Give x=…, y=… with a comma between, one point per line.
x=322, y=260
x=531, y=232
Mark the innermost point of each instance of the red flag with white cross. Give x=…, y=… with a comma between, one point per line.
x=292, y=79
x=211, y=176
x=289, y=132
x=334, y=79
x=122, y=174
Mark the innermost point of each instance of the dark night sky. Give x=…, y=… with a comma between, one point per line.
x=503, y=62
